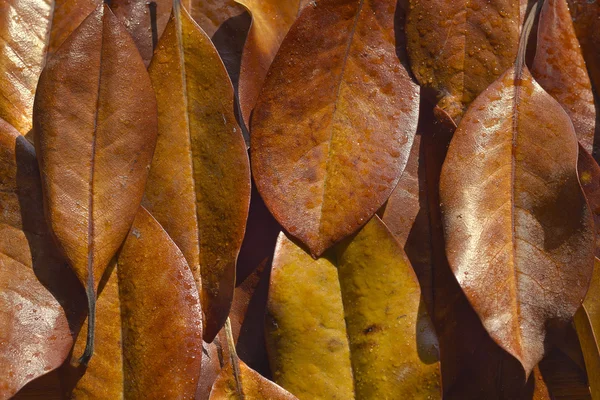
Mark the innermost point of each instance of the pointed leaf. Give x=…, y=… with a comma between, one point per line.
x=255, y=387
x=149, y=332
x=460, y=47
x=36, y=285
x=560, y=69
x=351, y=325
x=335, y=121
x=519, y=232
x=271, y=21
x=95, y=122
x=199, y=183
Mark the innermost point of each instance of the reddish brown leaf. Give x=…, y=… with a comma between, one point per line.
x=519, y=232
x=333, y=127
x=95, y=122
x=199, y=183
x=560, y=69
x=35, y=283
x=459, y=47
x=149, y=330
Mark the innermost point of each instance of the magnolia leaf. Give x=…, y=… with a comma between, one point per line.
x=459, y=47
x=520, y=234
x=271, y=21
x=38, y=292
x=350, y=325
x=335, y=121
x=149, y=325
x=199, y=182
x=561, y=70
x=95, y=122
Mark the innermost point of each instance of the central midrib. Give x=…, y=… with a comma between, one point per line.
x=337, y=96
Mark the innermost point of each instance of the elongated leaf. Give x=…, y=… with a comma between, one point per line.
x=350, y=325
x=519, y=231
x=95, y=121
x=459, y=47
x=199, y=183
x=560, y=69
x=333, y=127
x=149, y=331
x=35, y=283
x=211, y=14
x=254, y=386
x=271, y=20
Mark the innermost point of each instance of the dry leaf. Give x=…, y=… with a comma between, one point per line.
x=199, y=182
x=334, y=124
x=149, y=327
x=519, y=232
x=95, y=123
x=38, y=292
x=352, y=324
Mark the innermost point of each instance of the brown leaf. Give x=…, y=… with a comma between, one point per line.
x=95, y=123
x=459, y=47
x=149, y=331
x=519, y=232
x=589, y=178
x=350, y=324
x=199, y=182
x=559, y=68
x=271, y=21
x=254, y=386
x=145, y=21
x=30, y=29
x=332, y=129
x=38, y=291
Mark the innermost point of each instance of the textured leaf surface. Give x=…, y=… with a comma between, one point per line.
x=35, y=283
x=560, y=69
x=519, y=231
x=199, y=182
x=333, y=126
x=149, y=327
x=350, y=325
x=271, y=20
x=586, y=19
x=459, y=47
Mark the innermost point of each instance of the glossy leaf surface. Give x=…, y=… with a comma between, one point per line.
x=560, y=69
x=35, y=283
x=519, y=231
x=149, y=326
x=95, y=121
x=334, y=123
x=459, y=47
x=199, y=182
x=350, y=325
x=271, y=21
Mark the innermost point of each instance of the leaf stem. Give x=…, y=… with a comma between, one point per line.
x=89, y=344
x=525, y=32
x=235, y=361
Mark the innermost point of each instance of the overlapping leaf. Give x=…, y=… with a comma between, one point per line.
x=37, y=290
x=149, y=327
x=519, y=231
x=95, y=121
x=350, y=325
x=334, y=123
x=460, y=47
x=199, y=182
x=586, y=19
x=271, y=20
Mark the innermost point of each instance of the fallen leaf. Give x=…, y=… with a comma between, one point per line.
x=519, y=232
x=560, y=69
x=335, y=121
x=95, y=123
x=458, y=48
x=149, y=330
x=350, y=325
x=38, y=292
x=271, y=21
x=199, y=182
x=589, y=178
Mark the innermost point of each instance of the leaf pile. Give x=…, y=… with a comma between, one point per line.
x=328, y=199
